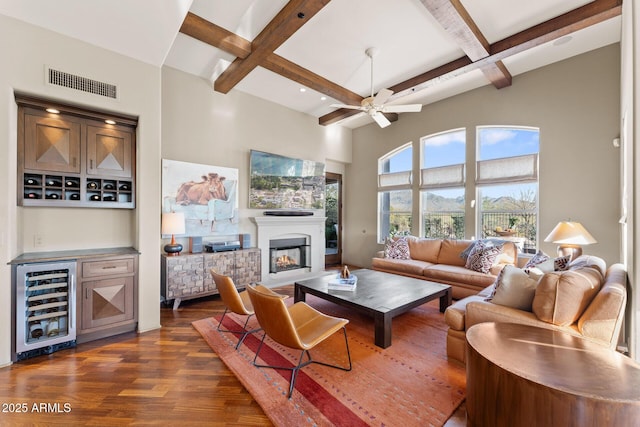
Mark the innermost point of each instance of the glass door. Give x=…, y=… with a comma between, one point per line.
x=333, y=225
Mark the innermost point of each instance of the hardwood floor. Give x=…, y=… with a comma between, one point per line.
x=167, y=377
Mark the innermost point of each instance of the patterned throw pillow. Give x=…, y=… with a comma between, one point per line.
x=538, y=258
x=489, y=242
x=396, y=248
x=482, y=257
x=561, y=263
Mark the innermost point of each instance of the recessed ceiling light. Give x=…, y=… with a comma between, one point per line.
x=323, y=98
x=110, y=122
x=303, y=89
x=52, y=111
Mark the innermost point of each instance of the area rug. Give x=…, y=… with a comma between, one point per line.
x=410, y=383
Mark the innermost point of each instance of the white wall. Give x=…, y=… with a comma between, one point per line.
x=575, y=103
x=26, y=50
x=200, y=125
x=630, y=125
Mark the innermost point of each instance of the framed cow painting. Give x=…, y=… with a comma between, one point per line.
x=207, y=195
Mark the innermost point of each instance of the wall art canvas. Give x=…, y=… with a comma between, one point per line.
x=207, y=195
x=280, y=182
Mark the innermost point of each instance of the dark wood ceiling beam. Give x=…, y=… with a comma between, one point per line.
x=289, y=20
x=210, y=33
x=457, y=22
x=288, y=69
x=577, y=19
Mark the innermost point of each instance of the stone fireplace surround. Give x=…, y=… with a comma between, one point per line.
x=285, y=227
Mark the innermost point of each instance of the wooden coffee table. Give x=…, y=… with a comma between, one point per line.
x=379, y=295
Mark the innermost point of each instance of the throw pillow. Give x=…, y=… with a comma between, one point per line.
x=514, y=288
x=561, y=263
x=397, y=248
x=488, y=242
x=538, y=258
x=482, y=257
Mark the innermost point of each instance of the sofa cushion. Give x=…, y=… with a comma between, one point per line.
x=402, y=266
x=425, y=249
x=482, y=257
x=515, y=288
x=456, y=274
x=396, y=248
x=562, y=296
x=450, y=251
x=589, y=261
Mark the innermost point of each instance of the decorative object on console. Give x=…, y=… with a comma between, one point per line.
x=173, y=223
x=570, y=236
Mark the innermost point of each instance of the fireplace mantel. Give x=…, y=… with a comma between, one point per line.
x=278, y=227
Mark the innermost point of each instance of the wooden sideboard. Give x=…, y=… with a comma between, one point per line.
x=187, y=276
x=520, y=375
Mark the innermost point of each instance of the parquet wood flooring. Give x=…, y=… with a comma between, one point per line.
x=164, y=377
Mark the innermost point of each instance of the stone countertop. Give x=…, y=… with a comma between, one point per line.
x=31, y=257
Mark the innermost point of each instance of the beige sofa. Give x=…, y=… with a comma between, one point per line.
x=587, y=300
x=439, y=260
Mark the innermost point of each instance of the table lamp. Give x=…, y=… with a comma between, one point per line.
x=173, y=223
x=570, y=236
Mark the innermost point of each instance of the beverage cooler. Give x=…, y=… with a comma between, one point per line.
x=44, y=308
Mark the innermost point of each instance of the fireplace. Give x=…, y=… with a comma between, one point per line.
x=288, y=254
x=303, y=238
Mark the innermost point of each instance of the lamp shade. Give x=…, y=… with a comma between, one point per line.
x=173, y=223
x=570, y=233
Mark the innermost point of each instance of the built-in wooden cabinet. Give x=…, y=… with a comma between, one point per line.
x=188, y=276
x=107, y=293
x=75, y=157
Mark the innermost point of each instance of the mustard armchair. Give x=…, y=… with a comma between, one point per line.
x=234, y=301
x=299, y=327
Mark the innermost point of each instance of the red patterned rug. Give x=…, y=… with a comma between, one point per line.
x=410, y=383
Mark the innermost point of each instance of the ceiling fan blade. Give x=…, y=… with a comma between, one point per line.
x=350, y=107
x=380, y=119
x=382, y=96
x=407, y=108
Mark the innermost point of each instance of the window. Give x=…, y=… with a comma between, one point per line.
x=442, y=179
x=394, y=192
x=507, y=183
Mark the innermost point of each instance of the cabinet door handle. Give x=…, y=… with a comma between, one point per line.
x=109, y=266
x=91, y=164
x=86, y=293
x=74, y=162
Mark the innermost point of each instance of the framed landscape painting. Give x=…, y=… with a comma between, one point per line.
x=280, y=182
x=207, y=195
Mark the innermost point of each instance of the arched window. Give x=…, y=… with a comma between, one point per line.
x=394, y=192
x=507, y=183
x=442, y=180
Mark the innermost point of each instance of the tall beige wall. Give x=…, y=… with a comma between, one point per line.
x=575, y=103
x=200, y=125
x=26, y=50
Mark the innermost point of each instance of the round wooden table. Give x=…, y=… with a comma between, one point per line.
x=521, y=375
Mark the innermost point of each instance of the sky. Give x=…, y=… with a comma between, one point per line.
x=449, y=149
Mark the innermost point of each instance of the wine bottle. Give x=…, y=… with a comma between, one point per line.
x=35, y=329
x=74, y=196
x=95, y=197
x=53, y=327
x=31, y=181
x=92, y=185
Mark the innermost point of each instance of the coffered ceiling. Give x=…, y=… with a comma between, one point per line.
x=428, y=49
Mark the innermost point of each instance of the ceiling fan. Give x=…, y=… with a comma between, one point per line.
x=374, y=105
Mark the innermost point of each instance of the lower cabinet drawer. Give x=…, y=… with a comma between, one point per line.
x=109, y=267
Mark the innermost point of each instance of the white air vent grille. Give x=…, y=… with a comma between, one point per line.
x=60, y=78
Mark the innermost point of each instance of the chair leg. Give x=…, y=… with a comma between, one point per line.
x=294, y=370
x=244, y=331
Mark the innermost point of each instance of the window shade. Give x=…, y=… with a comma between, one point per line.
x=396, y=179
x=508, y=169
x=445, y=176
